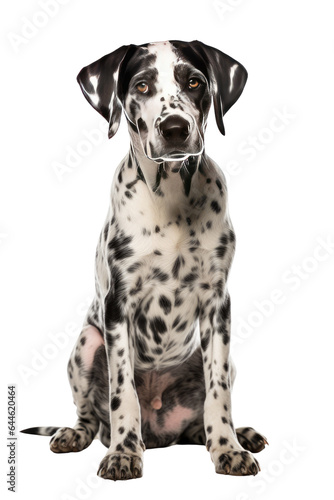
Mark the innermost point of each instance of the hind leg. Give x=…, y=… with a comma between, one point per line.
x=250, y=439
x=79, y=370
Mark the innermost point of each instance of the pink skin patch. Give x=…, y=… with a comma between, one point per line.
x=93, y=340
x=175, y=418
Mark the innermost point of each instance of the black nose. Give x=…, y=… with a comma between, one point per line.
x=175, y=128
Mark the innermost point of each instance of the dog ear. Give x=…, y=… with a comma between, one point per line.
x=228, y=80
x=98, y=82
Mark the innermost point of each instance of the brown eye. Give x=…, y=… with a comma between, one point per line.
x=193, y=83
x=142, y=87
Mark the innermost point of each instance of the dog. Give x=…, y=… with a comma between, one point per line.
x=152, y=367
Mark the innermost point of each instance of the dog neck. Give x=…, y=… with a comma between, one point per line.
x=172, y=177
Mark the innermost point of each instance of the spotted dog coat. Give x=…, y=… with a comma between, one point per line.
x=142, y=373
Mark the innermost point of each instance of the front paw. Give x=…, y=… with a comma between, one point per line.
x=119, y=466
x=236, y=463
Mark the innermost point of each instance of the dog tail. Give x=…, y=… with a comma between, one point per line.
x=41, y=431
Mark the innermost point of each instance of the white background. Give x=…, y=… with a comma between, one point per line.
x=281, y=204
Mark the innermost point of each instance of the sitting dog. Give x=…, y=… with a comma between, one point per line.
x=142, y=374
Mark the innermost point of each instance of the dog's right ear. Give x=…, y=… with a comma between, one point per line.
x=98, y=82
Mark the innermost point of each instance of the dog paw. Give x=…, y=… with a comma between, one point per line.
x=250, y=439
x=118, y=466
x=68, y=440
x=237, y=463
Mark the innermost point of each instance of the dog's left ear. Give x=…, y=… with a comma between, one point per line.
x=229, y=78
x=98, y=82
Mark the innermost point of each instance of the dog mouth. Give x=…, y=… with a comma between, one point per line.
x=173, y=138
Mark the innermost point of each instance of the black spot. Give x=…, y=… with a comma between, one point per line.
x=176, y=321
x=130, y=441
x=115, y=403
x=134, y=267
x=120, y=246
x=223, y=441
x=83, y=340
x=178, y=301
x=190, y=278
x=219, y=184
x=159, y=275
x=78, y=360
x=120, y=378
x=223, y=239
x=215, y=206
x=106, y=230
x=142, y=324
x=157, y=324
x=205, y=340
x=128, y=194
x=165, y=304
x=181, y=327
x=221, y=251
x=187, y=171
x=176, y=267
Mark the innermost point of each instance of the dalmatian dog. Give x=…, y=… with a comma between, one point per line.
x=152, y=367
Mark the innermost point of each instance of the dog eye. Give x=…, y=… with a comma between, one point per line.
x=193, y=83
x=142, y=87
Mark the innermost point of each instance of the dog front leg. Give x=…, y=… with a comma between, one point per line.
x=124, y=456
x=226, y=452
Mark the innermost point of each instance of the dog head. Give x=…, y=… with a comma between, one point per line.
x=165, y=90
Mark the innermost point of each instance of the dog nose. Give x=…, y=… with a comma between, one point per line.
x=174, y=127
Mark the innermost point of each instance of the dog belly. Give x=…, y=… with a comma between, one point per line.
x=165, y=413
x=169, y=400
